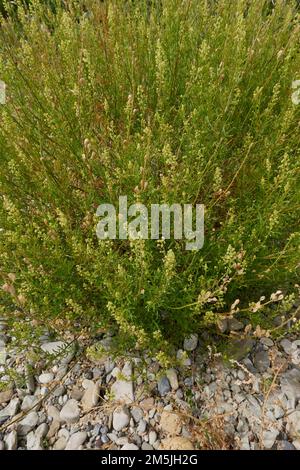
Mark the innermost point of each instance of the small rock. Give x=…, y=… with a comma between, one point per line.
x=190, y=343
x=287, y=346
x=11, y=409
x=235, y=325
x=152, y=437
x=6, y=395
x=146, y=446
x=121, y=418
x=33, y=442
x=42, y=430
x=11, y=441
x=261, y=361
x=123, y=389
x=141, y=427
x=28, y=423
x=46, y=378
x=30, y=401
x=70, y=413
x=285, y=445
x=173, y=378
x=293, y=424
x=60, y=444
x=163, y=386
x=76, y=440
x=130, y=447
x=137, y=413
x=269, y=437
x=91, y=396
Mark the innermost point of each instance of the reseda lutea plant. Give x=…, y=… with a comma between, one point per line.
x=186, y=102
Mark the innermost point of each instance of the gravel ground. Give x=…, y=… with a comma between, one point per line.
x=249, y=402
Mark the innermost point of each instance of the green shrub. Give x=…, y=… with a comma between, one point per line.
x=169, y=102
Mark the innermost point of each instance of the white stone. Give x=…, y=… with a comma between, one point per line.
x=76, y=440
x=11, y=441
x=121, y=418
x=130, y=447
x=70, y=413
x=46, y=378
x=122, y=389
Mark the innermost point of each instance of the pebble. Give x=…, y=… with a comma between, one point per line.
x=190, y=343
x=123, y=389
x=28, y=423
x=261, y=361
x=70, y=412
x=30, y=401
x=293, y=424
x=163, y=386
x=46, y=378
x=91, y=396
x=11, y=441
x=11, y=409
x=285, y=445
x=287, y=346
x=130, y=447
x=121, y=418
x=137, y=413
x=76, y=440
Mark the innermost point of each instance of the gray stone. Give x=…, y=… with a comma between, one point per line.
x=76, y=440
x=28, y=423
x=42, y=430
x=59, y=391
x=121, y=418
x=146, y=446
x=293, y=424
x=285, y=445
x=290, y=385
x=286, y=346
x=122, y=389
x=46, y=378
x=11, y=409
x=235, y=325
x=163, y=386
x=141, y=427
x=269, y=437
x=152, y=437
x=11, y=441
x=70, y=413
x=261, y=361
x=190, y=343
x=130, y=447
x=30, y=401
x=33, y=442
x=137, y=413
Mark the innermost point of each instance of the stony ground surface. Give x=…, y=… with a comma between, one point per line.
x=252, y=402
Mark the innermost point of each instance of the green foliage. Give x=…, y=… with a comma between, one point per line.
x=169, y=102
